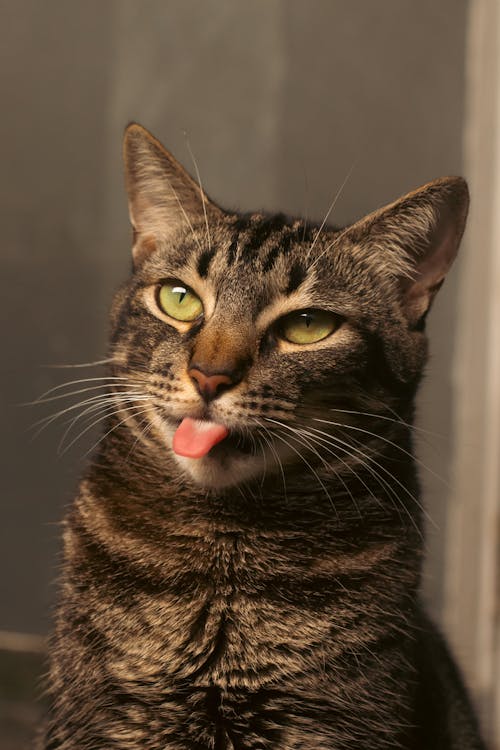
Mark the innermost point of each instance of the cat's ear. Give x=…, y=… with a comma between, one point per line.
x=162, y=197
x=418, y=237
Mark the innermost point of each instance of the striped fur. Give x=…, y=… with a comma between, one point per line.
x=265, y=595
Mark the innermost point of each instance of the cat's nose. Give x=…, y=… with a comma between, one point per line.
x=211, y=386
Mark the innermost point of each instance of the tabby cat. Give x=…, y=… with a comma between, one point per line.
x=242, y=562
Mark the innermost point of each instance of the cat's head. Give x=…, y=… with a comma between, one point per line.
x=245, y=332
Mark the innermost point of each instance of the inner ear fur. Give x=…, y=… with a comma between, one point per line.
x=162, y=197
x=417, y=239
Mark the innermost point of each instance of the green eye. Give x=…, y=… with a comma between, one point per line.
x=308, y=326
x=178, y=301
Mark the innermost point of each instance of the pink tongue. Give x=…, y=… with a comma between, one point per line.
x=194, y=437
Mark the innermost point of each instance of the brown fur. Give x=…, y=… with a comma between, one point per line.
x=265, y=595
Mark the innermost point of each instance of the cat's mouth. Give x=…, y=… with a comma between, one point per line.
x=196, y=438
x=215, y=456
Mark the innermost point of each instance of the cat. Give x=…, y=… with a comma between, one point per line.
x=242, y=562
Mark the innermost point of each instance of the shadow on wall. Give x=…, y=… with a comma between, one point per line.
x=22, y=663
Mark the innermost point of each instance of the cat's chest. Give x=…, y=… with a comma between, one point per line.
x=235, y=615
x=253, y=633
x=236, y=629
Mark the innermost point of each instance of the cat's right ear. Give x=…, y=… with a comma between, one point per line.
x=415, y=241
x=162, y=197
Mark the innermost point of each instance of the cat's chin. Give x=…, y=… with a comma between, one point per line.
x=220, y=468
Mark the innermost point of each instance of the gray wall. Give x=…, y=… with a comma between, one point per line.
x=279, y=99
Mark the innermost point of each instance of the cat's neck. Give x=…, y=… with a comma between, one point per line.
x=135, y=482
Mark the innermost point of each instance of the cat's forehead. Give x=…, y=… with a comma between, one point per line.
x=252, y=259
x=258, y=255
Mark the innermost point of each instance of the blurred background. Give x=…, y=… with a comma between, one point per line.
x=279, y=100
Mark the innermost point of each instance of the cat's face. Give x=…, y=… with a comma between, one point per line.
x=247, y=332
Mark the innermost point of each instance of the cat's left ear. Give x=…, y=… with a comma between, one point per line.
x=163, y=199
x=418, y=238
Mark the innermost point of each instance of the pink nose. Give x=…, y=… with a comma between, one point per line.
x=209, y=386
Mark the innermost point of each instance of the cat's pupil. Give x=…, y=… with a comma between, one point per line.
x=307, y=320
x=181, y=292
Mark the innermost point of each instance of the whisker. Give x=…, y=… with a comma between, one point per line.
x=202, y=194
x=143, y=433
x=319, y=441
x=388, y=419
x=100, y=398
x=310, y=467
x=97, y=362
x=370, y=459
x=88, y=423
x=104, y=405
x=134, y=411
x=387, y=441
x=183, y=211
x=74, y=382
x=250, y=436
x=351, y=468
x=388, y=490
x=82, y=390
x=269, y=442
x=260, y=438
x=306, y=216
x=332, y=206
